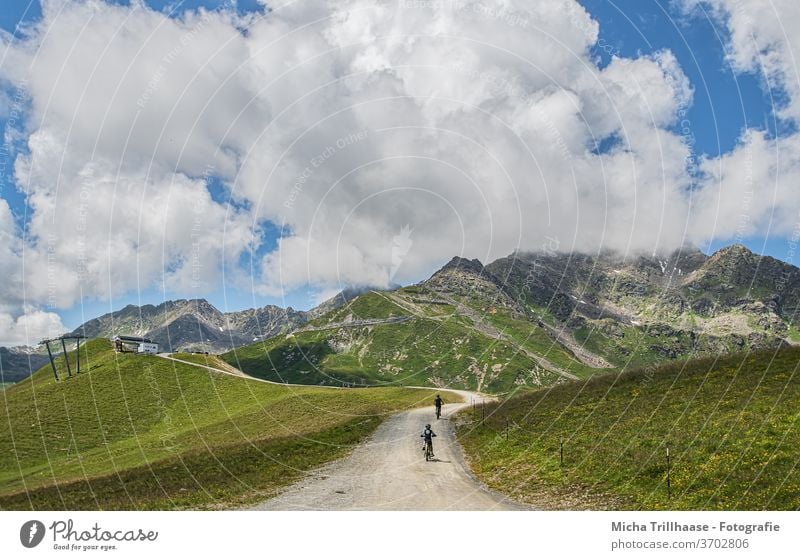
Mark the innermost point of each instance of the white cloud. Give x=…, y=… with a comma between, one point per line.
x=133, y=86
x=128, y=111
x=750, y=191
x=30, y=328
x=473, y=124
x=10, y=260
x=480, y=132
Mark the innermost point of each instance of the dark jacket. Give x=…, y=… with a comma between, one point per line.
x=427, y=434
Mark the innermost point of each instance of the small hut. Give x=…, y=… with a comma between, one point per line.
x=135, y=344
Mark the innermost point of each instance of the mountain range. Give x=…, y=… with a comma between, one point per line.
x=525, y=319
x=19, y=362
x=640, y=309
x=532, y=319
x=193, y=325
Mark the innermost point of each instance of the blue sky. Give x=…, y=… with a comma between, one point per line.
x=725, y=103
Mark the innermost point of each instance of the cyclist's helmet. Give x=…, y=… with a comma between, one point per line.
x=428, y=426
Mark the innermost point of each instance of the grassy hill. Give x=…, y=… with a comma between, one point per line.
x=141, y=432
x=731, y=425
x=375, y=341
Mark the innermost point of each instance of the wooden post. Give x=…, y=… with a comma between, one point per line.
x=66, y=358
x=561, y=451
x=52, y=361
x=669, y=477
x=506, y=428
x=78, y=352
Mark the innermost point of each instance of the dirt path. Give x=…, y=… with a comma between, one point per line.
x=410, y=307
x=228, y=369
x=389, y=472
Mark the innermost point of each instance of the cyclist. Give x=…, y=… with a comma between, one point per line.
x=438, y=402
x=428, y=436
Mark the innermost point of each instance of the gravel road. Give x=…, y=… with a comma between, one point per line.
x=389, y=472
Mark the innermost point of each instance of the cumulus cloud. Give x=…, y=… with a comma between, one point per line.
x=381, y=138
x=30, y=328
x=127, y=118
x=10, y=259
x=479, y=130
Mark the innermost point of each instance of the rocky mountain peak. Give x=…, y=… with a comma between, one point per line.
x=466, y=265
x=735, y=265
x=469, y=278
x=461, y=270
x=734, y=252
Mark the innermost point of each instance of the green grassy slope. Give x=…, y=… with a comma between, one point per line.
x=416, y=352
x=435, y=345
x=629, y=346
x=141, y=432
x=368, y=305
x=536, y=339
x=731, y=425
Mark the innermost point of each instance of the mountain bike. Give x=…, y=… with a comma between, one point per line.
x=428, y=450
x=438, y=412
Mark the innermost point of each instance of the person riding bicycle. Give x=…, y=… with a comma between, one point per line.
x=438, y=402
x=428, y=434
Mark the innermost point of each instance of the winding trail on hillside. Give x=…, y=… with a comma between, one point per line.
x=410, y=307
x=352, y=324
x=388, y=472
x=227, y=369
x=581, y=352
x=481, y=326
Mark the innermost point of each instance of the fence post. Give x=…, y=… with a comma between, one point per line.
x=561, y=451
x=669, y=476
